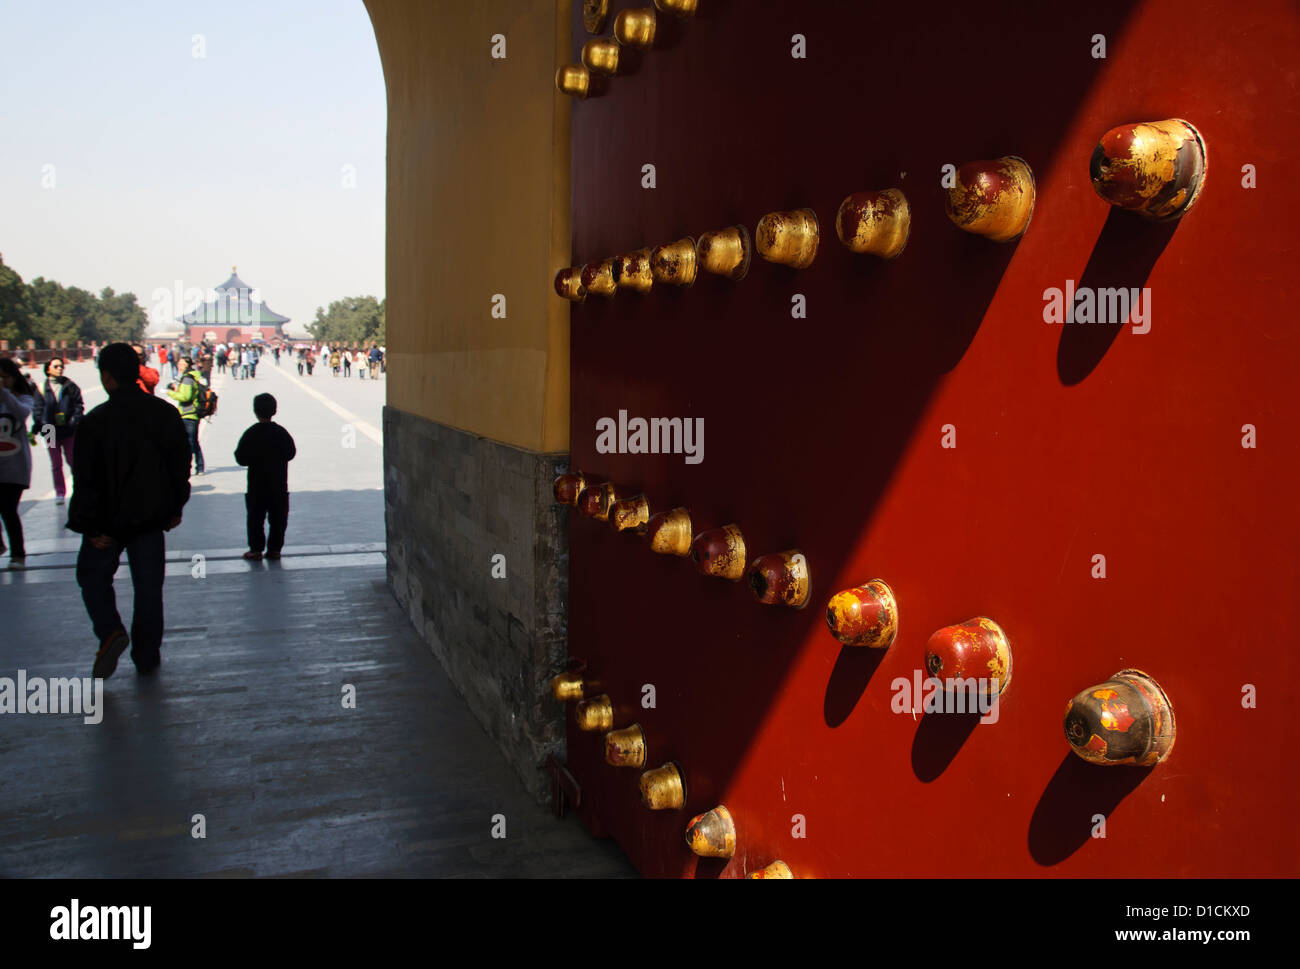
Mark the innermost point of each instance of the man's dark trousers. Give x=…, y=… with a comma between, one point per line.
x=95, y=567
x=260, y=507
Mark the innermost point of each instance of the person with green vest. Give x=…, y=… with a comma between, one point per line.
x=186, y=393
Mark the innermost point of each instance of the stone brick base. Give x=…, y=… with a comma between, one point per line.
x=453, y=500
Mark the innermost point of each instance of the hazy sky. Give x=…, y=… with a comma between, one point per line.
x=156, y=143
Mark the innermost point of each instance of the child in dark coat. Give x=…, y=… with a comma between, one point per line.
x=266, y=450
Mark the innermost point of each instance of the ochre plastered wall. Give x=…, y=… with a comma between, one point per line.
x=478, y=204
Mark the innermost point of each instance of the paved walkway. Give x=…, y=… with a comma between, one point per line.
x=247, y=723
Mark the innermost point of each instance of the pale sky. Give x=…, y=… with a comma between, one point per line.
x=153, y=144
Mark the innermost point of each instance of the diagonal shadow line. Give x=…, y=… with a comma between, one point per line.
x=1125, y=253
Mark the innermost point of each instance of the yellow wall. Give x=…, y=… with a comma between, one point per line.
x=478, y=204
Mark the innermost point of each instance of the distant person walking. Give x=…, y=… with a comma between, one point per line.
x=346, y=355
x=186, y=393
x=17, y=397
x=60, y=405
x=130, y=484
x=301, y=365
x=266, y=450
x=171, y=359
x=375, y=358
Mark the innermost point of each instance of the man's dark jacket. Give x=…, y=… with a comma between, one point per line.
x=131, y=467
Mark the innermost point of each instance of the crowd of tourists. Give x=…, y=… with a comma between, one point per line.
x=54, y=406
x=341, y=361
x=240, y=361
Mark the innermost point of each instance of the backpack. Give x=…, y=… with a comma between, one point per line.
x=205, y=404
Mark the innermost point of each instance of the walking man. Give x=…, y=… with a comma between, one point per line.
x=186, y=393
x=266, y=450
x=61, y=406
x=130, y=484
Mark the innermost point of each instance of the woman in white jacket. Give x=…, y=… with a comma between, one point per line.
x=16, y=398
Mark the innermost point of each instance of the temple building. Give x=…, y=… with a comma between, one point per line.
x=234, y=316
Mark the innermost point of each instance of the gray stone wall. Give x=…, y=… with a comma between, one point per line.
x=453, y=500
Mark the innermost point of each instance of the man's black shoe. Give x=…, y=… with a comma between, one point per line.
x=113, y=647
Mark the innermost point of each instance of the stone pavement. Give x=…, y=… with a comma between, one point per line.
x=249, y=723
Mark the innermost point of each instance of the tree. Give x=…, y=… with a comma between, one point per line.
x=57, y=313
x=119, y=318
x=15, y=323
x=351, y=321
